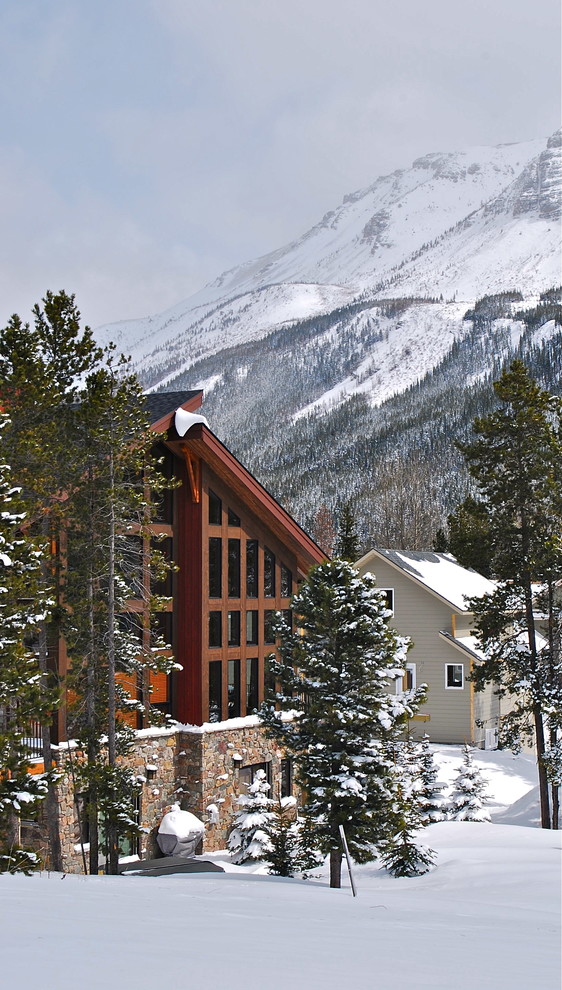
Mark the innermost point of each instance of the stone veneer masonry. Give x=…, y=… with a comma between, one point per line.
x=191, y=765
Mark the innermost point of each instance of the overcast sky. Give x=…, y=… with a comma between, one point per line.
x=147, y=145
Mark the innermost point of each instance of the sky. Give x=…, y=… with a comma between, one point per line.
x=148, y=145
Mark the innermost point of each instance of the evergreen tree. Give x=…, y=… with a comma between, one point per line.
x=440, y=542
x=516, y=461
x=468, y=796
x=347, y=539
x=109, y=564
x=23, y=701
x=468, y=539
x=433, y=803
x=248, y=838
x=79, y=446
x=323, y=529
x=282, y=831
x=340, y=664
x=41, y=367
x=399, y=852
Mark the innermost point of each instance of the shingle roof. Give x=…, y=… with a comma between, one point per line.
x=160, y=403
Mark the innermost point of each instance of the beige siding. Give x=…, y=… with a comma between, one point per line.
x=421, y=615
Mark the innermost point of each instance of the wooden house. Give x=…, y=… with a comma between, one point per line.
x=427, y=593
x=239, y=555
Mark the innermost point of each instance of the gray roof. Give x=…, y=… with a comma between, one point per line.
x=440, y=573
x=161, y=403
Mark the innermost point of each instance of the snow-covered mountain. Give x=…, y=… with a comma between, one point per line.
x=457, y=226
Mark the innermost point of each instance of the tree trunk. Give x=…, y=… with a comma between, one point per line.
x=555, y=791
x=335, y=867
x=92, y=801
x=537, y=713
x=51, y=805
x=543, y=779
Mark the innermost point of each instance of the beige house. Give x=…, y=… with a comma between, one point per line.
x=427, y=594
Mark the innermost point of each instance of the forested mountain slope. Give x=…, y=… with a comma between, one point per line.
x=346, y=363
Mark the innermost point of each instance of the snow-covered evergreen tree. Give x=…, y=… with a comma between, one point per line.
x=469, y=794
x=282, y=831
x=24, y=704
x=399, y=852
x=433, y=801
x=516, y=460
x=248, y=838
x=337, y=671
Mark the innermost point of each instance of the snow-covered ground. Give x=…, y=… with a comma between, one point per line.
x=487, y=916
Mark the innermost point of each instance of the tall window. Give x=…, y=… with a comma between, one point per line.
x=234, y=568
x=268, y=573
x=252, y=627
x=162, y=626
x=252, y=666
x=233, y=519
x=215, y=567
x=286, y=582
x=286, y=778
x=166, y=548
x=215, y=629
x=268, y=619
x=252, y=568
x=164, y=502
x=233, y=688
x=215, y=509
x=287, y=614
x=234, y=628
x=215, y=691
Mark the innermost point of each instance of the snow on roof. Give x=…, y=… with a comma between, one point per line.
x=467, y=643
x=184, y=420
x=442, y=574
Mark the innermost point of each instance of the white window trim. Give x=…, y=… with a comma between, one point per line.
x=454, y=687
x=400, y=680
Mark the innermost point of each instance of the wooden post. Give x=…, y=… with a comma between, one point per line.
x=348, y=859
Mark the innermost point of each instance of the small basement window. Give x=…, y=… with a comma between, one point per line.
x=454, y=675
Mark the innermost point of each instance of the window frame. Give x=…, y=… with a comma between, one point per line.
x=388, y=592
x=408, y=668
x=454, y=687
x=214, y=502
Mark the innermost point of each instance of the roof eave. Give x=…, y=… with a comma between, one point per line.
x=204, y=443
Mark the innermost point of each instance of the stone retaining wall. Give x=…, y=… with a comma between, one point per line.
x=199, y=768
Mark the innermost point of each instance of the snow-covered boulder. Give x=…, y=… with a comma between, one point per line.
x=179, y=833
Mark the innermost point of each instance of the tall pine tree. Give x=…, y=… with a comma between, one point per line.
x=24, y=703
x=516, y=462
x=41, y=367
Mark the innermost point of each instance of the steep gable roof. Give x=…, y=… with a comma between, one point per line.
x=440, y=573
x=198, y=438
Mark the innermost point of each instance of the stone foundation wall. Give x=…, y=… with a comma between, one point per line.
x=200, y=770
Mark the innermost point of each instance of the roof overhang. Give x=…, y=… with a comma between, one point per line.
x=200, y=440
